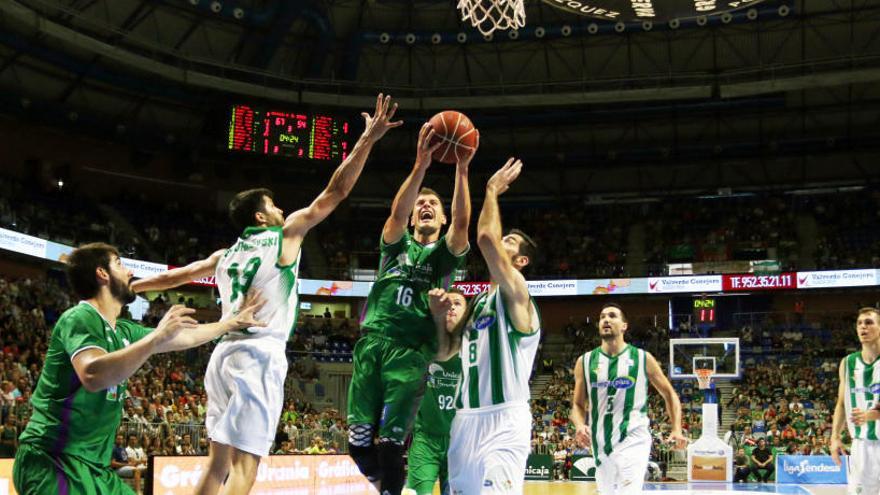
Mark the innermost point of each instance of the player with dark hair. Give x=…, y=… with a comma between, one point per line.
x=610, y=406
x=77, y=404
x=390, y=361
x=491, y=432
x=858, y=400
x=427, y=460
x=242, y=419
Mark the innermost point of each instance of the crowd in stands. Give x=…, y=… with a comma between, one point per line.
x=785, y=398
x=577, y=238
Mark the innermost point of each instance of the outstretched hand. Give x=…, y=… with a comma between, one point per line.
x=380, y=122
x=425, y=150
x=465, y=159
x=500, y=182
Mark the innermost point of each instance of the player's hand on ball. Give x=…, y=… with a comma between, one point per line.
x=176, y=320
x=424, y=149
x=678, y=440
x=836, y=450
x=380, y=122
x=582, y=436
x=500, y=182
x=468, y=154
x=246, y=317
x=439, y=302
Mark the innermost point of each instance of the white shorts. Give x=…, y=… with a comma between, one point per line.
x=245, y=386
x=623, y=472
x=489, y=448
x=863, y=475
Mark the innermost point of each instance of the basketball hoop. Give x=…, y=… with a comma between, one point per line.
x=704, y=377
x=488, y=15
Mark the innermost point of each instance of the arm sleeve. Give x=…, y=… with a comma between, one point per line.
x=78, y=331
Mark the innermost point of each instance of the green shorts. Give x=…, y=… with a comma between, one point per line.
x=387, y=385
x=36, y=472
x=427, y=462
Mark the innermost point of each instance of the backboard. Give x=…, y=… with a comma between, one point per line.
x=718, y=354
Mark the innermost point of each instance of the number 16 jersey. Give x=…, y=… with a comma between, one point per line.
x=253, y=262
x=397, y=305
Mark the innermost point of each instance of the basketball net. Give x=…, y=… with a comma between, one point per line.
x=704, y=377
x=489, y=15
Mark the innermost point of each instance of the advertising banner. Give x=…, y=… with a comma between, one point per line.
x=749, y=282
x=22, y=243
x=669, y=285
x=583, y=468
x=810, y=470
x=334, y=288
x=6, y=487
x=539, y=467
x=836, y=278
x=276, y=474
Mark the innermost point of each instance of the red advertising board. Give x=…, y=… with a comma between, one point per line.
x=748, y=281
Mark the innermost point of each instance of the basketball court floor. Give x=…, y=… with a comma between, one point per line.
x=589, y=488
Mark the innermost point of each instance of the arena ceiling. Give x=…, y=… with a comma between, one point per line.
x=793, y=83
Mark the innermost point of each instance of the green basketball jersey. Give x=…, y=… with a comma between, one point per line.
x=438, y=407
x=862, y=383
x=496, y=359
x=68, y=419
x=254, y=262
x=397, y=305
x=617, y=393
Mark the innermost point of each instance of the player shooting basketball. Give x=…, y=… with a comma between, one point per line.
x=242, y=418
x=610, y=406
x=390, y=361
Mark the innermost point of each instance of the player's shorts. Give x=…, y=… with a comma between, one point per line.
x=426, y=462
x=245, y=387
x=489, y=448
x=36, y=472
x=863, y=475
x=387, y=385
x=623, y=472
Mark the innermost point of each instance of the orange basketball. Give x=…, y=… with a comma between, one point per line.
x=456, y=132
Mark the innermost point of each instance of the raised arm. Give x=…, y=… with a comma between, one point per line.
x=580, y=407
x=346, y=175
x=457, y=237
x=839, y=421
x=406, y=196
x=489, y=237
x=179, y=276
x=673, y=405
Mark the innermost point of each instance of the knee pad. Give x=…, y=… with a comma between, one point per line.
x=363, y=452
x=391, y=463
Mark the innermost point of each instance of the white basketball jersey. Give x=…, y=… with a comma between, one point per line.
x=253, y=262
x=617, y=392
x=862, y=385
x=496, y=359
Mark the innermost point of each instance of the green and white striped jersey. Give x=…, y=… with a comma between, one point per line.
x=254, y=262
x=617, y=392
x=862, y=382
x=496, y=359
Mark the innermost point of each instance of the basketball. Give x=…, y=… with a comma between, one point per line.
x=457, y=133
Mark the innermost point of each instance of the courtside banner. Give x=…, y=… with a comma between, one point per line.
x=6, y=487
x=583, y=468
x=669, y=285
x=810, y=470
x=748, y=282
x=836, y=278
x=539, y=467
x=306, y=474
x=11, y=240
